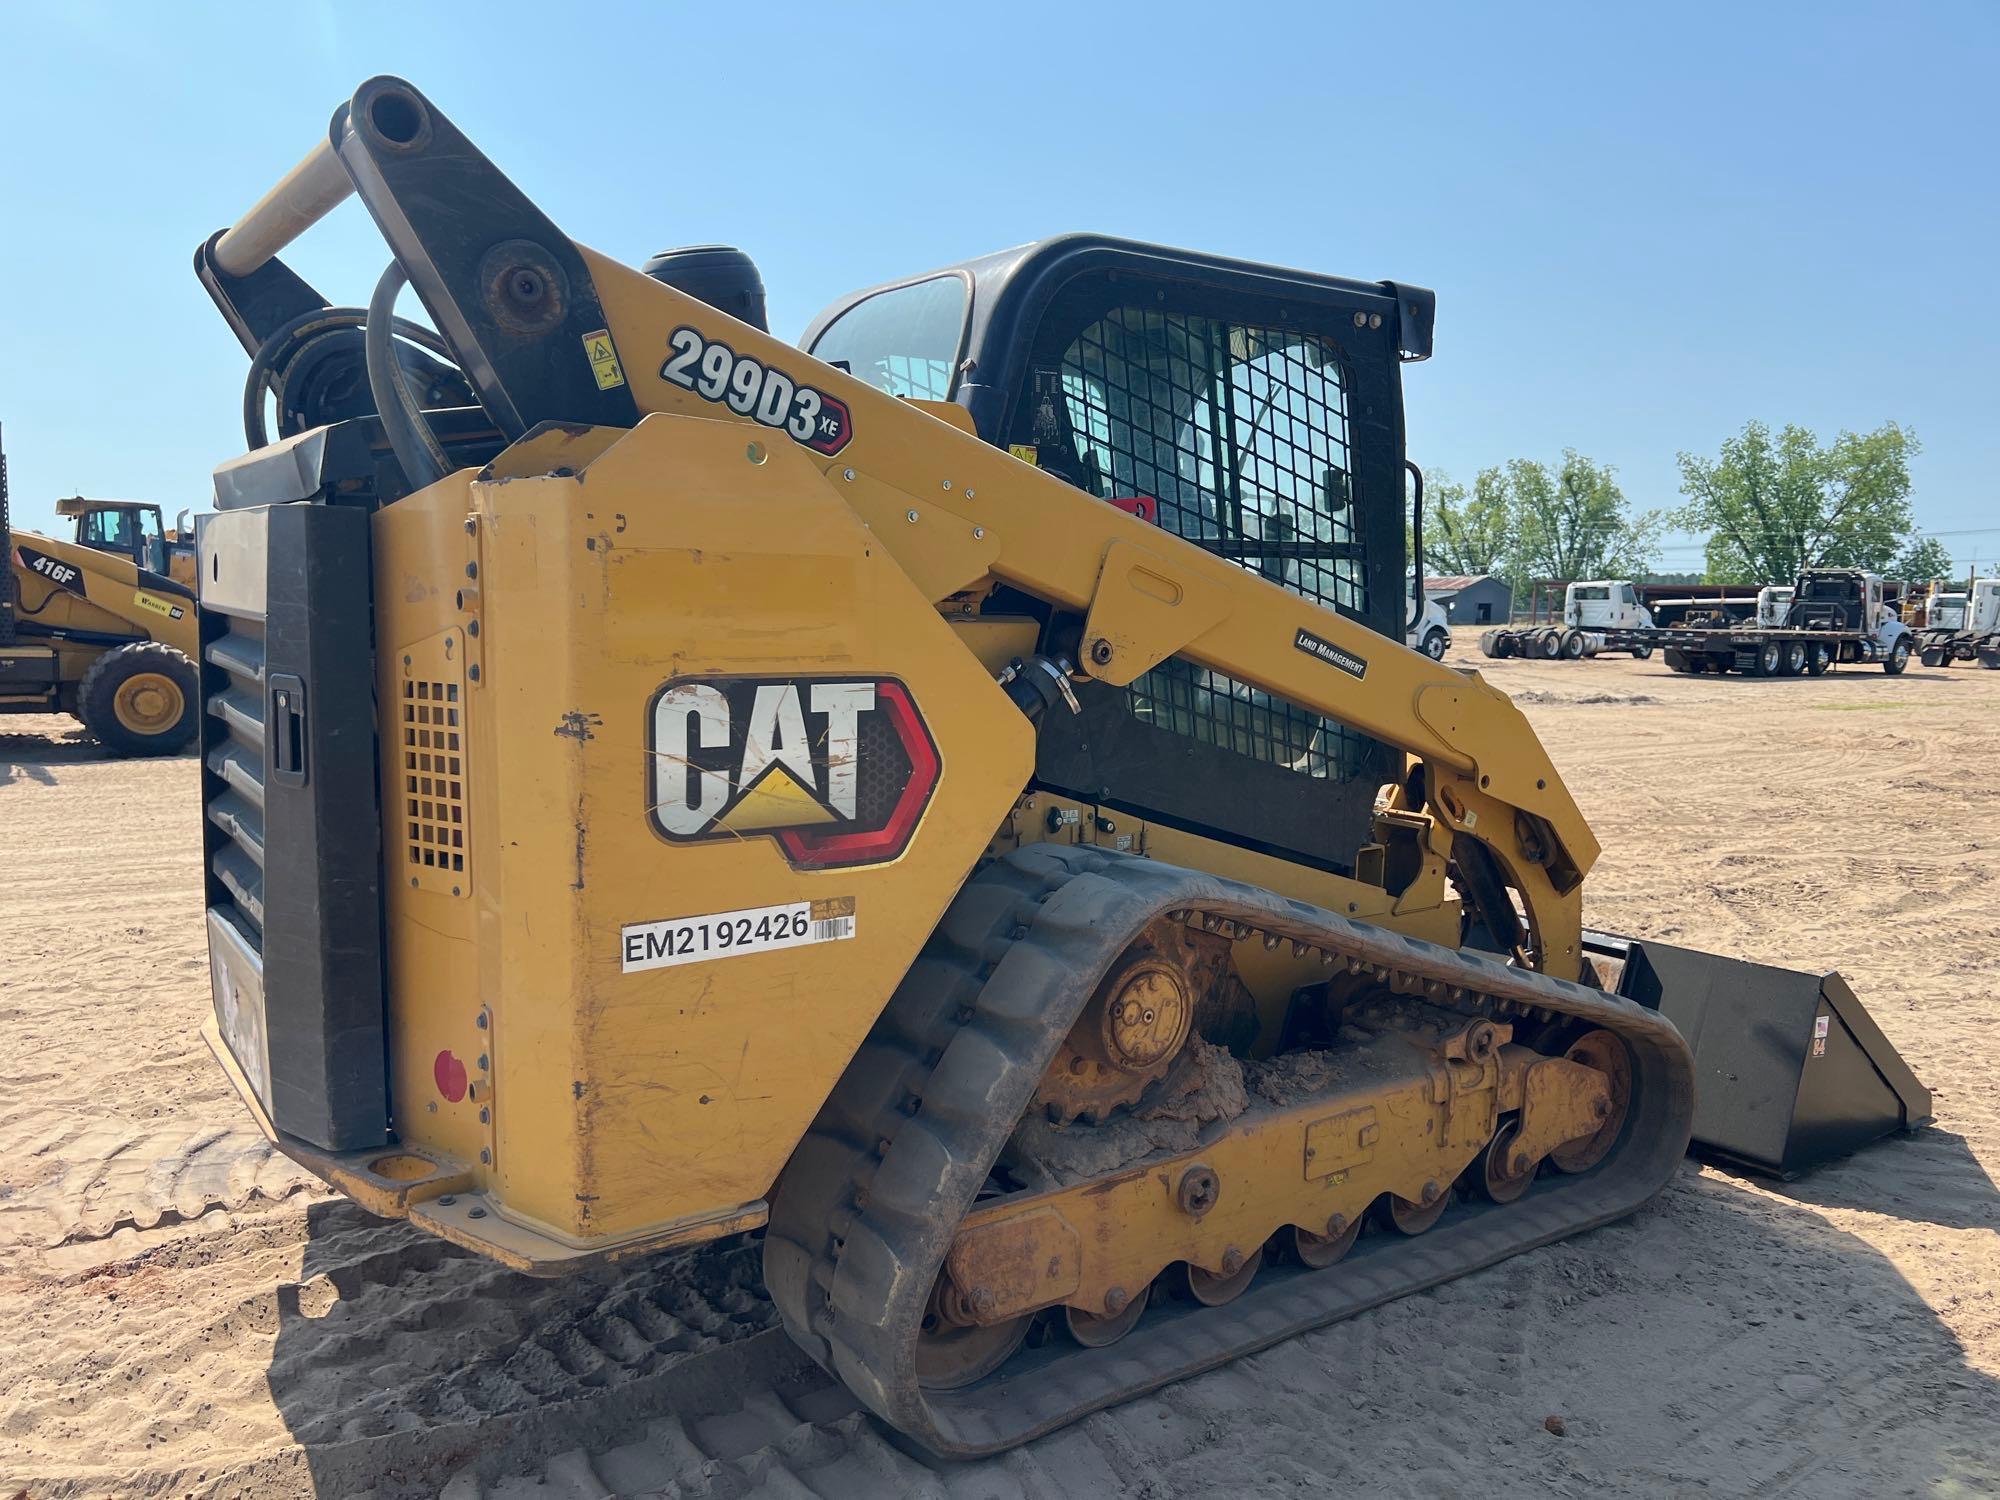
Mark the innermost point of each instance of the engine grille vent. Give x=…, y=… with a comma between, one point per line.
x=434, y=777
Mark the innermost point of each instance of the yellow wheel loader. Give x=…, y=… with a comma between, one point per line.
x=952, y=798
x=97, y=635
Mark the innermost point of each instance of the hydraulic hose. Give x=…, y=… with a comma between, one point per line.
x=268, y=366
x=415, y=445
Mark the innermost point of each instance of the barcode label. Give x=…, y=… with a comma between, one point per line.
x=730, y=934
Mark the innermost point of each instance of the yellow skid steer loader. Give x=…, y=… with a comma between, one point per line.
x=953, y=798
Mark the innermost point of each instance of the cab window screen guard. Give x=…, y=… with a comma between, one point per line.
x=904, y=341
x=1240, y=435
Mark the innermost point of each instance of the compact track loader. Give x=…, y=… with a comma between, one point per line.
x=952, y=798
x=95, y=635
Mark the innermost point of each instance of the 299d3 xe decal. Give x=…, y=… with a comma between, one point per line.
x=715, y=372
x=837, y=769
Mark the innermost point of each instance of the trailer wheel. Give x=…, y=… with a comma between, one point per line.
x=1795, y=658
x=1677, y=661
x=1819, y=660
x=1549, y=644
x=1899, y=658
x=1641, y=653
x=1571, y=644
x=1770, y=658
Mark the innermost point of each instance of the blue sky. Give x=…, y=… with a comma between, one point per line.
x=1644, y=225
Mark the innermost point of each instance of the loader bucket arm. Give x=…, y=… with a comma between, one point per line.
x=547, y=331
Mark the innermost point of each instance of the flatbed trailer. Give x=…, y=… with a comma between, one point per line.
x=1766, y=652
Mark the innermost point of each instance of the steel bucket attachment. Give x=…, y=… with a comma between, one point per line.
x=1790, y=1069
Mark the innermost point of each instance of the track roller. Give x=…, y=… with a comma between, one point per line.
x=1217, y=1289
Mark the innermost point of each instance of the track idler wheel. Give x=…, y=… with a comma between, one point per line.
x=1095, y=1330
x=953, y=1351
x=1603, y=1051
x=1213, y=1289
x=1322, y=1250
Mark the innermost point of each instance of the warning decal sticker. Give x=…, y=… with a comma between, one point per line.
x=604, y=359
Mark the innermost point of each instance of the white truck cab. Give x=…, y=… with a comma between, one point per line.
x=1774, y=602
x=1963, y=626
x=1945, y=612
x=1851, y=599
x=1982, y=616
x=1605, y=604
x=1429, y=632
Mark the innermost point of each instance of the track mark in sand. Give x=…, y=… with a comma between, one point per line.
x=803, y=1435
x=111, y=1177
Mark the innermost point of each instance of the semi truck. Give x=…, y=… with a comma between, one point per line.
x=1599, y=615
x=1835, y=615
x=1963, y=627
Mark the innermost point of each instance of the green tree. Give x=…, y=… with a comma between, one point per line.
x=1773, y=504
x=1924, y=558
x=1465, y=531
x=1570, y=521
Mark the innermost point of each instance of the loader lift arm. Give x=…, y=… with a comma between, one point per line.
x=529, y=316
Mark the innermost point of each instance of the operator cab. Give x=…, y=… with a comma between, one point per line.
x=124, y=528
x=133, y=529
x=1252, y=410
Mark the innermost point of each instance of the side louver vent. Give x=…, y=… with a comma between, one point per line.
x=233, y=696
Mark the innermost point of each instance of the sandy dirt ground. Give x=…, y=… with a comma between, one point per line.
x=181, y=1313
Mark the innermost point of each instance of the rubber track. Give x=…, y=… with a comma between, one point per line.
x=869, y=1205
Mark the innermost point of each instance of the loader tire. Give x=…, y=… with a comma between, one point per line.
x=140, y=699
